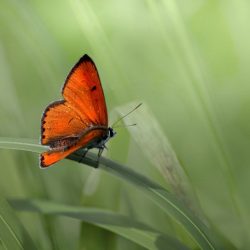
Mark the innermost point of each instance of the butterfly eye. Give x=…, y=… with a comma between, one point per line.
x=112, y=133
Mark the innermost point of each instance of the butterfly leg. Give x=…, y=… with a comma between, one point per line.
x=99, y=156
x=93, y=163
x=99, y=153
x=83, y=155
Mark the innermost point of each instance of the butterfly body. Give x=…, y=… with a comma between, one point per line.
x=79, y=120
x=105, y=138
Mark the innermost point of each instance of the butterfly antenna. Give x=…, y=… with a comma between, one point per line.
x=124, y=126
x=126, y=115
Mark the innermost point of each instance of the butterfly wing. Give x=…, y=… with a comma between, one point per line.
x=59, y=120
x=52, y=156
x=65, y=122
x=83, y=91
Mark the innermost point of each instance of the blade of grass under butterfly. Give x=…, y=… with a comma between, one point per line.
x=21, y=144
x=166, y=201
x=122, y=225
x=12, y=233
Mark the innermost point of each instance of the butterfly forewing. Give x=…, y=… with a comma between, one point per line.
x=83, y=91
x=60, y=120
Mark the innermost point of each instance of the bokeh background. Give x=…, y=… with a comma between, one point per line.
x=187, y=61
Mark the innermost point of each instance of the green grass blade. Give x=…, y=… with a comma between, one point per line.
x=12, y=234
x=21, y=144
x=119, y=224
x=165, y=200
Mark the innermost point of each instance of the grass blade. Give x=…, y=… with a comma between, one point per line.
x=160, y=196
x=25, y=144
x=119, y=224
x=12, y=233
x=165, y=200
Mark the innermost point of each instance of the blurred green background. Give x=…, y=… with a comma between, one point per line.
x=186, y=60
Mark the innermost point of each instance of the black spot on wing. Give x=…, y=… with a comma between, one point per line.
x=93, y=88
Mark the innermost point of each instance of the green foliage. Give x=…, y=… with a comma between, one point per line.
x=120, y=224
x=187, y=62
x=13, y=235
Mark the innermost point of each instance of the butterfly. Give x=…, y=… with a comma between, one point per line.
x=80, y=120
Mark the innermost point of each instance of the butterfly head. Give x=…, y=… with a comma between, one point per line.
x=111, y=133
x=101, y=144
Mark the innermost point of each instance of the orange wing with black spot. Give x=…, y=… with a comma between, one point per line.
x=67, y=124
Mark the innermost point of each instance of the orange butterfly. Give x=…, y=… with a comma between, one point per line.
x=78, y=121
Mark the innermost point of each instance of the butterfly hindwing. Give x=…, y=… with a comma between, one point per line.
x=50, y=157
